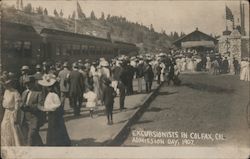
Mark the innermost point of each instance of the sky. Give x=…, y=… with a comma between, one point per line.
x=181, y=15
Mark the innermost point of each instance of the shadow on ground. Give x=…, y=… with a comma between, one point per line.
x=166, y=93
x=208, y=88
x=144, y=121
x=88, y=142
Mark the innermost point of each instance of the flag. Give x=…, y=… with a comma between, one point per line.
x=229, y=14
x=81, y=15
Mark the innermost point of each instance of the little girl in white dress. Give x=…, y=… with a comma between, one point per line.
x=91, y=100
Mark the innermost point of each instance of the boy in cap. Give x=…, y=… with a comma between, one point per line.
x=108, y=99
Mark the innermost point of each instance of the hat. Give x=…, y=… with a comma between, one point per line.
x=106, y=81
x=104, y=63
x=47, y=81
x=25, y=67
x=38, y=66
x=65, y=64
x=8, y=79
x=74, y=65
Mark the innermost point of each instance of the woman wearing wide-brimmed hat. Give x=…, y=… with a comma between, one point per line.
x=57, y=134
x=11, y=134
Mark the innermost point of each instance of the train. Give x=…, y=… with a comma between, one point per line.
x=23, y=45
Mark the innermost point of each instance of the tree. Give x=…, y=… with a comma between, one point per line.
x=45, y=12
x=108, y=17
x=61, y=13
x=39, y=10
x=151, y=28
x=176, y=36
x=73, y=15
x=28, y=8
x=92, y=15
x=56, y=13
x=102, y=16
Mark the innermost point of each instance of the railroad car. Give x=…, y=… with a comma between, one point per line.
x=23, y=45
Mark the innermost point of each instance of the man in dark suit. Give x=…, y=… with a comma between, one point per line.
x=32, y=118
x=76, y=85
x=148, y=76
x=122, y=85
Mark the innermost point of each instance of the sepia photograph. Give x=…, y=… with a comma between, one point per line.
x=124, y=79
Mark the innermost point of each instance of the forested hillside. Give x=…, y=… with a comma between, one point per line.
x=106, y=26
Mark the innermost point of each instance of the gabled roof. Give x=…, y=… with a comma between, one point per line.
x=192, y=34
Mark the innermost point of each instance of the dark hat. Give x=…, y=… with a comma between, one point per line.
x=106, y=81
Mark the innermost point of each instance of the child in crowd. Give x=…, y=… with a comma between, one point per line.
x=91, y=97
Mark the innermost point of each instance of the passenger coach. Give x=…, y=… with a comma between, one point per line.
x=22, y=45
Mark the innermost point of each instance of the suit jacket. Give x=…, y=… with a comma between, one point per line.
x=108, y=96
x=31, y=111
x=75, y=83
x=148, y=74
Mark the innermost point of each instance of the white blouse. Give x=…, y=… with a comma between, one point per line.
x=11, y=99
x=52, y=101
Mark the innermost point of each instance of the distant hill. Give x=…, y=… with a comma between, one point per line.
x=117, y=27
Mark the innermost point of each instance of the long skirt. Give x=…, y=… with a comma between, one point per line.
x=11, y=134
x=57, y=134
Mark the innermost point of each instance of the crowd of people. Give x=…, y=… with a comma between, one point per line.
x=38, y=95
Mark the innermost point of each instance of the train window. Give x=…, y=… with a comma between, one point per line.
x=57, y=49
x=64, y=50
x=18, y=45
x=6, y=46
x=68, y=49
x=84, y=48
x=27, y=52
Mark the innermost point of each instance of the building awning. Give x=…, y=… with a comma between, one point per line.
x=190, y=44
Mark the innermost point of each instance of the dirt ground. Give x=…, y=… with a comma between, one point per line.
x=205, y=110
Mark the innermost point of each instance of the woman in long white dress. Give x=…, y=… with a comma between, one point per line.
x=190, y=65
x=244, y=74
x=10, y=130
x=208, y=64
x=183, y=66
x=96, y=74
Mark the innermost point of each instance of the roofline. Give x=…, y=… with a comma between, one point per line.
x=72, y=34
x=191, y=33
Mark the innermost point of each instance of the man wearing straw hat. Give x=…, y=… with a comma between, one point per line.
x=32, y=120
x=64, y=85
x=24, y=72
